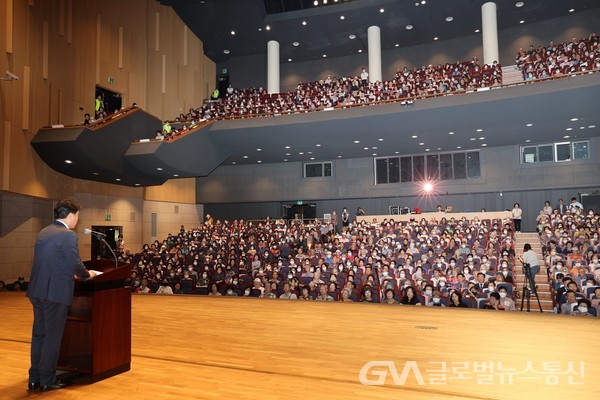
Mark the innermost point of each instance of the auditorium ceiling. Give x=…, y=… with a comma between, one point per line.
x=231, y=28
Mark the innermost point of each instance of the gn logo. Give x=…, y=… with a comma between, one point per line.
x=374, y=373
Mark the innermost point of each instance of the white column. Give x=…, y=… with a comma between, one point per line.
x=374, y=43
x=273, y=66
x=489, y=33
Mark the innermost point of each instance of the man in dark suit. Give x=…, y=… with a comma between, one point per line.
x=55, y=263
x=561, y=207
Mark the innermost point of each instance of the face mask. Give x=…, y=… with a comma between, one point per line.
x=505, y=273
x=235, y=282
x=290, y=276
x=583, y=309
x=230, y=292
x=452, y=264
x=436, y=300
x=442, y=284
x=428, y=292
x=491, y=288
x=190, y=268
x=172, y=274
x=466, y=271
x=385, y=273
x=247, y=293
x=504, y=265
x=502, y=294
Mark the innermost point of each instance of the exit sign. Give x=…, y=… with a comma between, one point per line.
x=111, y=80
x=107, y=217
x=299, y=202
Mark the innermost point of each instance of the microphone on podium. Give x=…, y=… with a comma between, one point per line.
x=88, y=231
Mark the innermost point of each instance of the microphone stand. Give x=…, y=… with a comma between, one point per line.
x=101, y=238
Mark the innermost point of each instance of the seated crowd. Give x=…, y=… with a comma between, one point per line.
x=578, y=55
x=443, y=263
x=347, y=91
x=571, y=248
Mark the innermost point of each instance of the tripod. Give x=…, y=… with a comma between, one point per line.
x=527, y=290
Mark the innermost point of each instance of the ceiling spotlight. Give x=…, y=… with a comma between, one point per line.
x=519, y=4
x=260, y=29
x=259, y=161
x=380, y=139
x=360, y=50
x=374, y=154
x=397, y=45
x=258, y=149
x=287, y=147
x=342, y=17
x=159, y=169
x=566, y=137
x=353, y=36
x=408, y=27
x=574, y=119
x=233, y=32
x=304, y=23
x=175, y=175
x=427, y=149
x=435, y=38
x=482, y=138
x=226, y=51
x=324, y=1
x=339, y=156
x=522, y=21
x=318, y=145
x=69, y=161
x=529, y=125
x=288, y=154
x=245, y=156
x=449, y=19
x=414, y=136
x=95, y=173
x=324, y=55
x=296, y=44
x=450, y=133
x=289, y=60
x=421, y=144
x=483, y=145
x=374, y=147
x=301, y=153
x=423, y=2
x=316, y=3
x=118, y=179
x=528, y=141
x=357, y=141
x=569, y=129
x=473, y=138
x=285, y=159
x=137, y=184
x=476, y=30
x=571, y=10
x=233, y=163
x=268, y=27
x=479, y=130
x=592, y=126
x=312, y=158
x=459, y=147
x=427, y=187
x=381, y=10
x=365, y=148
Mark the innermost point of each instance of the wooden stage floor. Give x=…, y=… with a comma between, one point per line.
x=240, y=348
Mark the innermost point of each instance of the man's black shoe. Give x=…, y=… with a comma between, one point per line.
x=54, y=386
x=33, y=385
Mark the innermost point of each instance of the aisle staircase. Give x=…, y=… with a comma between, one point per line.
x=541, y=280
x=511, y=75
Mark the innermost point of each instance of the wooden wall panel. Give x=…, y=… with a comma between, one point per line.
x=60, y=49
x=175, y=190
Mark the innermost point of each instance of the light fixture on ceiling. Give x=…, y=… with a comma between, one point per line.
x=301, y=153
x=571, y=10
x=316, y=3
x=137, y=184
x=574, y=119
x=318, y=145
x=408, y=27
x=374, y=154
x=483, y=144
x=159, y=169
x=69, y=161
x=312, y=158
x=519, y=4
x=435, y=38
x=353, y=36
x=397, y=45
x=258, y=149
x=482, y=138
x=287, y=147
x=259, y=161
x=288, y=154
x=381, y=10
x=459, y=147
x=423, y=2
x=233, y=163
x=365, y=148
x=421, y=144
x=95, y=173
x=357, y=141
x=296, y=44
x=260, y=29
x=360, y=50
x=118, y=179
x=175, y=175
x=374, y=147
x=339, y=156
x=226, y=51
x=304, y=23
x=449, y=19
x=569, y=129
x=380, y=139
x=528, y=141
x=479, y=130
x=566, y=137
x=530, y=124
x=233, y=32
x=414, y=136
x=427, y=149
x=450, y=133
x=473, y=138
x=289, y=60
x=324, y=55
x=285, y=159
x=522, y=21
x=476, y=30
x=591, y=126
x=309, y=152
x=245, y=156
x=342, y=17
x=268, y=27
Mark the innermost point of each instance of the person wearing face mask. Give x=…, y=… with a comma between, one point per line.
x=435, y=300
x=505, y=300
x=583, y=309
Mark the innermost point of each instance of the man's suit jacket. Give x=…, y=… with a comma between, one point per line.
x=55, y=262
x=562, y=208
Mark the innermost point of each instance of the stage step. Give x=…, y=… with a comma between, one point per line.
x=511, y=75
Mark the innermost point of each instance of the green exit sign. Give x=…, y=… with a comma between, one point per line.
x=107, y=217
x=111, y=80
x=299, y=202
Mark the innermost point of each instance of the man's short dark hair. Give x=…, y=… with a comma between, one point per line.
x=495, y=295
x=65, y=207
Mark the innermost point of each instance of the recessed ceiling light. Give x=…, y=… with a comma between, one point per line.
x=304, y=23
x=374, y=147
x=233, y=163
x=289, y=60
x=365, y=148
x=421, y=144
x=324, y=55
x=482, y=138
x=226, y=51
x=592, y=126
x=339, y=156
x=245, y=156
x=69, y=161
x=309, y=152
x=397, y=45
x=95, y=173
x=528, y=141
x=233, y=32
x=414, y=136
x=529, y=125
x=260, y=29
x=360, y=50
x=380, y=139
x=287, y=147
x=476, y=30
x=571, y=10
x=301, y=153
x=427, y=149
x=417, y=4
x=353, y=36
x=574, y=119
x=137, y=184
x=408, y=27
x=312, y=158
x=522, y=21
x=268, y=27
x=569, y=129
x=435, y=38
x=450, y=133
x=566, y=137
x=159, y=169
x=118, y=179
x=519, y=4
x=259, y=161
x=288, y=154
x=316, y=3
x=357, y=141
x=582, y=127
x=483, y=145
x=459, y=147
x=342, y=17
x=381, y=10
x=374, y=154
x=439, y=148
x=449, y=19
x=423, y=2
x=396, y=152
x=285, y=159
x=473, y=138
x=318, y=145
x=479, y=130
x=175, y=175
x=258, y=149
x=296, y=44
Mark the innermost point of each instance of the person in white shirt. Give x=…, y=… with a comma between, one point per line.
x=575, y=205
x=287, y=294
x=530, y=258
x=517, y=213
x=165, y=288
x=364, y=75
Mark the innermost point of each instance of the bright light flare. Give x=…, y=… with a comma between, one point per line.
x=427, y=187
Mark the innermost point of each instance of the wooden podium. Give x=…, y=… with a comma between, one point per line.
x=97, y=340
